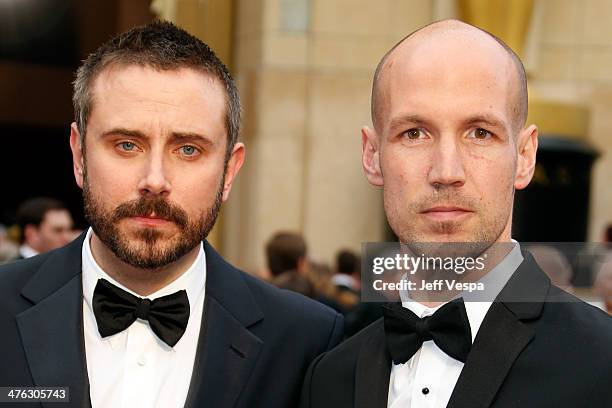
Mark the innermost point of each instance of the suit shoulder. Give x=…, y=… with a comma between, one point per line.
x=349, y=348
x=274, y=302
x=585, y=322
x=14, y=275
x=339, y=364
x=287, y=302
x=580, y=311
x=293, y=317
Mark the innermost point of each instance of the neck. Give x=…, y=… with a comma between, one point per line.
x=140, y=281
x=32, y=247
x=497, y=252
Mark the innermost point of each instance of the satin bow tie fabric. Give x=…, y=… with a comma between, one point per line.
x=116, y=310
x=448, y=327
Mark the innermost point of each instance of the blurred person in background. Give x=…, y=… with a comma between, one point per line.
x=348, y=270
x=295, y=282
x=286, y=251
x=607, y=236
x=554, y=264
x=74, y=234
x=45, y=224
x=602, y=285
x=8, y=249
x=320, y=275
x=602, y=282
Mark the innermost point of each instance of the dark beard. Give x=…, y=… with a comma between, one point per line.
x=148, y=253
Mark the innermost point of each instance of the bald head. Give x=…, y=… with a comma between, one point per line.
x=457, y=37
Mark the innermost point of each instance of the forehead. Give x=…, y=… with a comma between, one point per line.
x=57, y=216
x=141, y=96
x=449, y=75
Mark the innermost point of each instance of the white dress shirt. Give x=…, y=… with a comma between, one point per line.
x=342, y=279
x=27, y=251
x=134, y=368
x=427, y=380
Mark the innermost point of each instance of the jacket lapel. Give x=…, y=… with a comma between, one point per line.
x=373, y=370
x=502, y=336
x=227, y=349
x=52, y=329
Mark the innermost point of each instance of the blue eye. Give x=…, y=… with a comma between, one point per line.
x=188, y=150
x=128, y=146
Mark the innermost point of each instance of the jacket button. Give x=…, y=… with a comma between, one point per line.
x=425, y=391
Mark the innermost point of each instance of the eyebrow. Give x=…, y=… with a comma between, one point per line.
x=190, y=137
x=123, y=132
x=407, y=119
x=174, y=137
x=487, y=119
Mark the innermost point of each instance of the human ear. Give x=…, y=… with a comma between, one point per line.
x=527, y=146
x=234, y=164
x=370, y=157
x=78, y=164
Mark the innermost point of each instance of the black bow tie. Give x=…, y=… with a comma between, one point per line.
x=116, y=310
x=448, y=327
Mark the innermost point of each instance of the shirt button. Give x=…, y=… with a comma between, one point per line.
x=142, y=360
x=425, y=391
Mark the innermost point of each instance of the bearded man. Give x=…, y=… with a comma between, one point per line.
x=140, y=311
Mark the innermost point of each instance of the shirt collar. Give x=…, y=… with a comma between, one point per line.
x=27, y=251
x=493, y=281
x=341, y=279
x=193, y=280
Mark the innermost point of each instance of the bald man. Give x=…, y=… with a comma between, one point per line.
x=449, y=147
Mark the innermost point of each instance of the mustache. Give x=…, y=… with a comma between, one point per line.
x=145, y=206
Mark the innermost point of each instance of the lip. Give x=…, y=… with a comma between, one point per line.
x=446, y=213
x=150, y=221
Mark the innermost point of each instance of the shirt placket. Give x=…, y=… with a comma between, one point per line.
x=423, y=389
x=138, y=380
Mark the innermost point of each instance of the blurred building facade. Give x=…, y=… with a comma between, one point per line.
x=304, y=69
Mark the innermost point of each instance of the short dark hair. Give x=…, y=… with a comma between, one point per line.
x=33, y=211
x=283, y=252
x=347, y=262
x=608, y=233
x=162, y=46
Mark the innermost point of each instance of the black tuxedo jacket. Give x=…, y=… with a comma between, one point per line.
x=554, y=351
x=255, y=344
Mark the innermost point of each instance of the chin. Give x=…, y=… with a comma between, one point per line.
x=139, y=231
x=440, y=237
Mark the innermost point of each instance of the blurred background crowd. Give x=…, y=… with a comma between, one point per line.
x=304, y=70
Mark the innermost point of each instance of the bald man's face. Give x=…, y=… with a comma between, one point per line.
x=445, y=148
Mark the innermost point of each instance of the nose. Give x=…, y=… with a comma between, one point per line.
x=154, y=180
x=447, y=168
